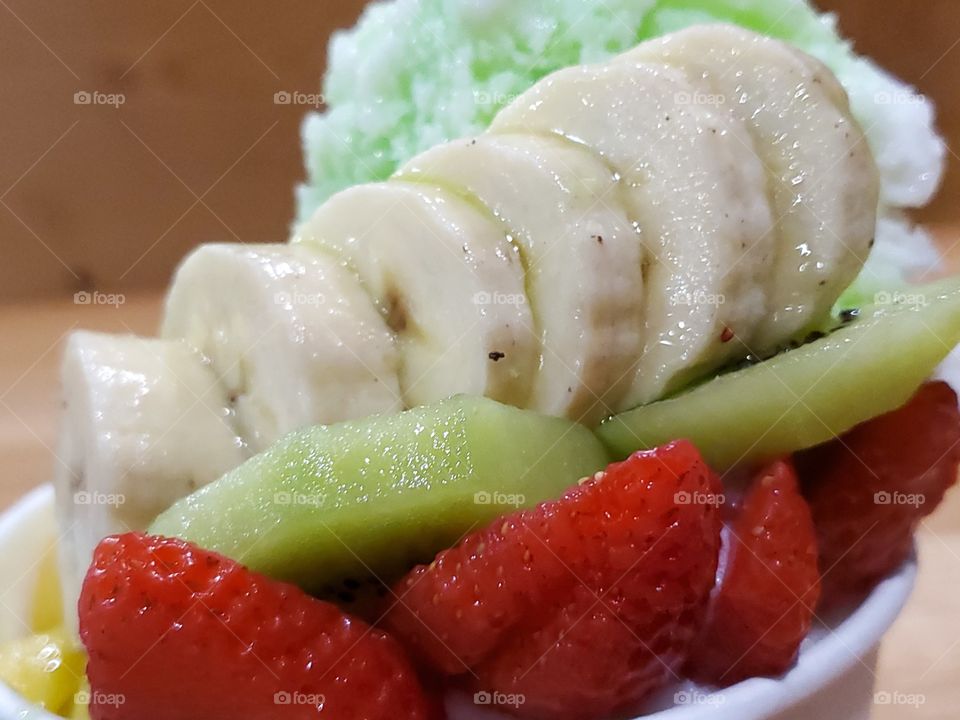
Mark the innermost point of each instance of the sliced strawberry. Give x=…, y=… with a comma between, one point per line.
x=582, y=606
x=870, y=488
x=764, y=605
x=174, y=632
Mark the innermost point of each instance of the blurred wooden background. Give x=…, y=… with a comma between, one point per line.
x=109, y=199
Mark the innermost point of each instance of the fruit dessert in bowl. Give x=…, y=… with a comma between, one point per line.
x=833, y=676
x=594, y=410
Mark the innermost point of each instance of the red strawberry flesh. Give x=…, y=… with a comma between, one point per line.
x=582, y=606
x=179, y=633
x=870, y=488
x=763, y=608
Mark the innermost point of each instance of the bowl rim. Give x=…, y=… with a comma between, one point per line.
x=836, y=653
x=821, y=661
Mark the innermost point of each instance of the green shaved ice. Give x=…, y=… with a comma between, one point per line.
x=902, y=252
x=414, y=73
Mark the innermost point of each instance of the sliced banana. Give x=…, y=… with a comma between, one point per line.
x=822, y=178
x=564, y=208
x=145, y=423
x=448, y=280
x=697, y=190
x=291, y=334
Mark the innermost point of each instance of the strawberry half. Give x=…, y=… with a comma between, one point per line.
x=763, y=608
x=871, y=487
x=583, y=606
x=174, y=632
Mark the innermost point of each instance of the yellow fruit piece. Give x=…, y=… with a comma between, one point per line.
x=46, y=669
x=47, y=612
x=80, y=708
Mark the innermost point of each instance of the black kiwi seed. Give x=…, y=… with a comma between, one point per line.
x=849, y=315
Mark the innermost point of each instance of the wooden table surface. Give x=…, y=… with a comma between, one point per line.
x=921, y=655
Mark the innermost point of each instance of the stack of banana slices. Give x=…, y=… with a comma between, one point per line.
x=621, y=230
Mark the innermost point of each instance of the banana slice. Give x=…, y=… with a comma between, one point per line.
x=448, y=280
x=291, y=334
x=145, y=423
x=697, y=191
x=584, y=259
x=822, y=178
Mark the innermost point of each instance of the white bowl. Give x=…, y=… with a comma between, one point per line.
x=833, y=679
